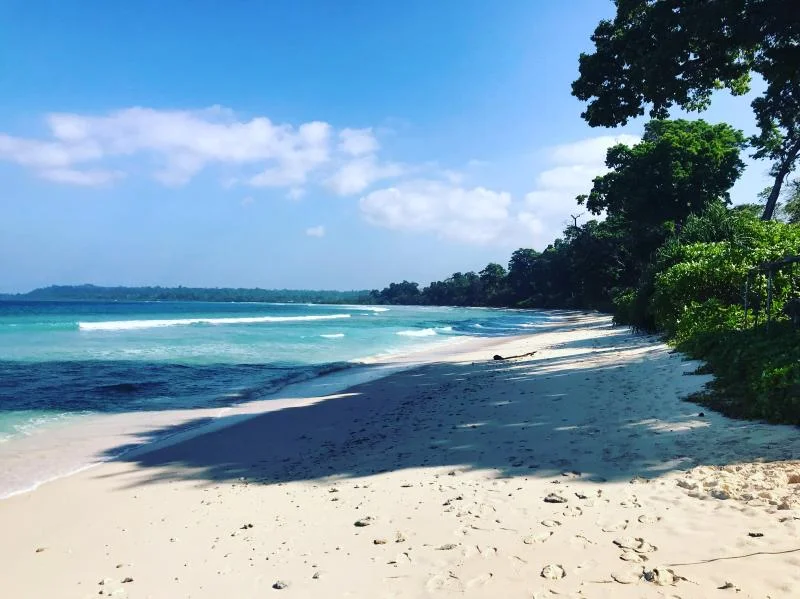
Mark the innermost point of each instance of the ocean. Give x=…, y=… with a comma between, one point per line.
x=62, y=363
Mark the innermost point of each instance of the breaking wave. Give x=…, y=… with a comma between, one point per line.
x=129, y=325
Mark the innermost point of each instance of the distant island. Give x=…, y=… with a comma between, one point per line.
x=188, y=294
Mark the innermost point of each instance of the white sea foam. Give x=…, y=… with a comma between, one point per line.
x=425, y=332
x=366, y=308
x=127, y=325
x=333, y=336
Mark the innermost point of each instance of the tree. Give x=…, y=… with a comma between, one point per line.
x=521, y=272
x=791, y=208
x=406, y=293
x=661, y=53
x=493, y=279
x=678, y=169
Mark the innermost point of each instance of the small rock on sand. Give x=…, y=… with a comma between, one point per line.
x=279, y=584
x=379, y=541
x=553, y=572
x=364, y=522
x=660, y=576
x=555, y=498
x=447, y=547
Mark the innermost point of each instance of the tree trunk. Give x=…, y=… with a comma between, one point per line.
x=783, y=170
x=772, y=200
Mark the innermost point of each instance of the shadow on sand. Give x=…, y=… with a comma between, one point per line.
x=604, y=407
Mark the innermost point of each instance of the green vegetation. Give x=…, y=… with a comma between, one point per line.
x=187, y=294
x=671, y=257
x=660, y=53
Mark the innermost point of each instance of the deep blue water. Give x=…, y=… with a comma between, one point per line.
x=60, y=359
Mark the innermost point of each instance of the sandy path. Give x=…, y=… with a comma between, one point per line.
x=575, y=473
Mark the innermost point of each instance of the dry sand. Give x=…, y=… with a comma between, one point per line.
x=577, y=472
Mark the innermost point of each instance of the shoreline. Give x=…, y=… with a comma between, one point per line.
x=577, y=471
x=108, y=431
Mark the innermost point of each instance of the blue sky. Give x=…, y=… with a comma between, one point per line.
x=302, y=144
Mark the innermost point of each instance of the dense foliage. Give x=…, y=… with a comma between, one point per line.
x=660, y=53
x=670, y=257
x=185, y=294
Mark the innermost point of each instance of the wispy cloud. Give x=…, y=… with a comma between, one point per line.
x=318, y=231
x=183, y=143
x=471, y=215
x=478, y=215
x=572, y=168
x=177, y=145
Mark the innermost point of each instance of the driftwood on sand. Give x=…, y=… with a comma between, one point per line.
x=499, y=357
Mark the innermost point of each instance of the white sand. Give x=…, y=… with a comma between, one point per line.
x=449, y=465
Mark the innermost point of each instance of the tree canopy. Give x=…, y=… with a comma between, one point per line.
x=677, y=169
x=657, y=54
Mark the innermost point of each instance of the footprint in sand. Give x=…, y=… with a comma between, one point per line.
x=637, y=544
x=627, y=576
x=551, y=523
x=581, y=541
x=632, y=556
x=648, y=519
x=445, y=582
x=614, y=526
x=480, y=581
x=538, y=537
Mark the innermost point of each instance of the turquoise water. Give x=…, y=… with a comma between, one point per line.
x=60, y=360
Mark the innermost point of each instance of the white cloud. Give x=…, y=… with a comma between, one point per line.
x=88, y=178
x=480, y=215
x=182, y=143
x=454, y=177
x=295, y=193
x=574, y=166
x=476, y=163
x=247, y=201
x=356, y=142
x=356, y=175
x=476, y=215
x=318, y=231
x=178, y=145
x=46, y=154
x=589, y=151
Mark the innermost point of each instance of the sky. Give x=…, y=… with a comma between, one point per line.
x=294, y=144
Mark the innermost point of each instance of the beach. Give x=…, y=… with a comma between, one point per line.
x=578, y=471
